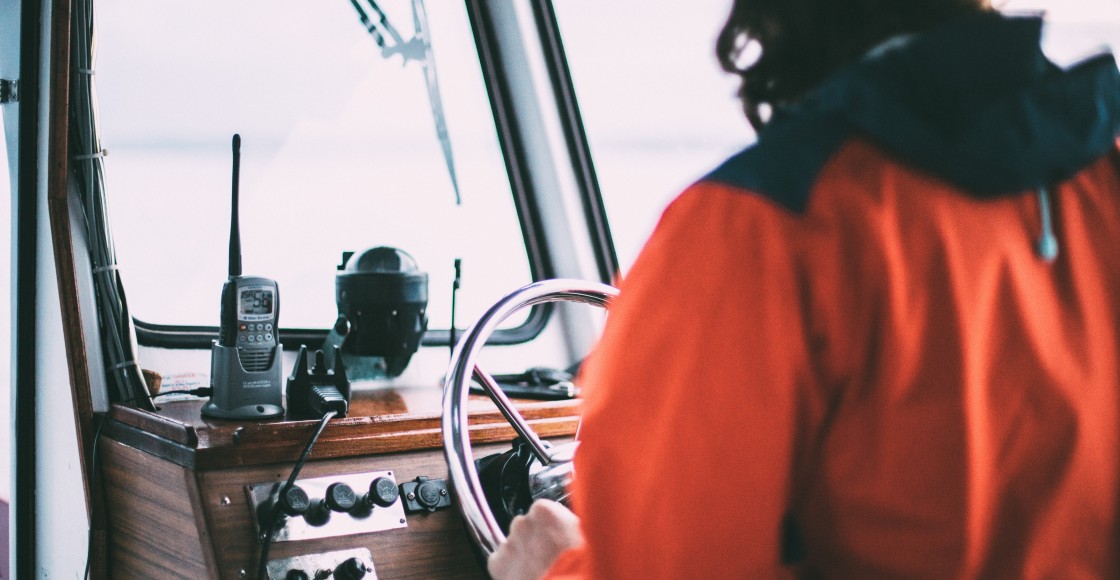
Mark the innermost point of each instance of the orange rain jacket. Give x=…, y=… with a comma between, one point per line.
x=852, y=349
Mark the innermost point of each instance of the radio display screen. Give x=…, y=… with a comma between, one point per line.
x=256, y=302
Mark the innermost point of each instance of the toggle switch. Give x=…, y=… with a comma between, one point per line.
x=294, y=502
x=383, y=492
x=351, y=569
x=340, y=497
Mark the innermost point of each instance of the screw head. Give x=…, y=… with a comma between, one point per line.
x=411, y=496
x=225, y=500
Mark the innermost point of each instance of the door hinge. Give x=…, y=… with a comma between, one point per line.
x=9, y=91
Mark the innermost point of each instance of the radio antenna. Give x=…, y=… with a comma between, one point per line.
x=234, y=219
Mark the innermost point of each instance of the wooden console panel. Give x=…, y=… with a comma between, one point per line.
x=174, y=485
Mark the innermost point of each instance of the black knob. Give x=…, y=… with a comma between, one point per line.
x=294, y=501
x=383, y=492
x=297, y=575
x=427, y=494
x=341, y=497
x=352, y=569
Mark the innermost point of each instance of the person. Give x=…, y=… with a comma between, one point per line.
x=884, y=341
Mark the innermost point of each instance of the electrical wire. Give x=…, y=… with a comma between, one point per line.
x=274, y=518
x=118, y=335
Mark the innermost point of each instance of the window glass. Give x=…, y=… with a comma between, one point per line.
x=1075, y=28
x=663, y=113
x=339, y=152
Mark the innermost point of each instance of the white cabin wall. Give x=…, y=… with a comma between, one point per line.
x=9, y=69
x=10, y=39
x=5, y=329
x=61, y=524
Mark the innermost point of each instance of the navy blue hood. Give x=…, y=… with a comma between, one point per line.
x=974, y=102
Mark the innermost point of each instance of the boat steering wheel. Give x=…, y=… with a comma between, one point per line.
x=481, y=523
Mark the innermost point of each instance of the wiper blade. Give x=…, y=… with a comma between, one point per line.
x=418, y=48
x=379, y=29
x=420, y=21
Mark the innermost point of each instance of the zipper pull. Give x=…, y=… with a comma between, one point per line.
x=1046, y=247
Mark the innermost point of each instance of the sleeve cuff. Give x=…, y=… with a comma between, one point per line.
x=569, y=565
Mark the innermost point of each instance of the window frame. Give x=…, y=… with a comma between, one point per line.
x=527, y=207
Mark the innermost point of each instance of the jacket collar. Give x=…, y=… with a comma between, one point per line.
x=975, y=102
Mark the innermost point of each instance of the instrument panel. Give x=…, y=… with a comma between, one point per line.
x=326, y=507
x=185, y=496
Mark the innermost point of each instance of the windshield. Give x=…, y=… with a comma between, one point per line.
x=341, y=151
x=661, y=114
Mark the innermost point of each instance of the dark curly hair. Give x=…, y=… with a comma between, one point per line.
x=802, y=41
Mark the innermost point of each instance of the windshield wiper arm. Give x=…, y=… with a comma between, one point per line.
x=418, y=48
x=420, y=21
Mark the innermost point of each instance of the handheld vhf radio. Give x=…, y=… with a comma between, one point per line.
x=245, y=361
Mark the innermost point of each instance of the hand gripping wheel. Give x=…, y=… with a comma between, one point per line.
x=481, y=524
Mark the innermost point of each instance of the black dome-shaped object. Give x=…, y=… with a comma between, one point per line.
x=384, y=296
x=382, y=259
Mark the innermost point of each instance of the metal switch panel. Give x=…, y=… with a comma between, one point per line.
x=356, y=563
x=328, y=515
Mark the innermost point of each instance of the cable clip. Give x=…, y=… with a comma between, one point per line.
x=122, y=365
x=88, y=156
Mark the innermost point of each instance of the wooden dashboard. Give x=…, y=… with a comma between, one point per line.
x=177, y=496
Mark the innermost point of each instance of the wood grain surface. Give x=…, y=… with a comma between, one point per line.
x=177, y=431
x=155, y=528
